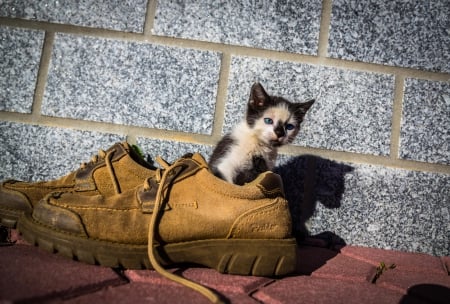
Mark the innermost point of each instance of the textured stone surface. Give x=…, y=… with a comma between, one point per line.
x=429, y=293
x=20, y=52
x=151, y=286
x=293, y=172
x=403, y=280
x=404, y=261
x=389, y=208
x=33, y=275
x=121, y=15
x=31, y=153
x=141, y=293
x=291, y=26
x=425, y=131
x=311, y=259
x=132, y=83
x=225, y=283
x=325, y=276
x=401, y=33
x=347, y=269
x=320, y=290
x=446, y=263
x=352, y=111
x=171, y=150
x=309, y=180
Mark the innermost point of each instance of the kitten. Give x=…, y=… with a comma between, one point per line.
x=252, y=147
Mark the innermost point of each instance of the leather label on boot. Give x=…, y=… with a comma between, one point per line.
x=256, y=227
x=185, y=205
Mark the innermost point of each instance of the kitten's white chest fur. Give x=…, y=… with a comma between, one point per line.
x=247, y=144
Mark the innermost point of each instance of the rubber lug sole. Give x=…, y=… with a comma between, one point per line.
x=8, y=218
x=256, y=257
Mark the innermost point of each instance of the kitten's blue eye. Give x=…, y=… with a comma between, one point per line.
x=268, y=121
x=290, y=127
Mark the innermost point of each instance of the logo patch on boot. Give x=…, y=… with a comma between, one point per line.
x=255, y=227
x=185, y=205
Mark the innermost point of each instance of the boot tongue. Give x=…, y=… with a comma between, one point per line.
x=136, y=154
x=137, y=151
x=183, y=167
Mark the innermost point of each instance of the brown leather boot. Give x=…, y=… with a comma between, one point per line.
x=184, y=211
x=110, y=172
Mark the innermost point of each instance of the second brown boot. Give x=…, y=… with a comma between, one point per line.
x=110, y=172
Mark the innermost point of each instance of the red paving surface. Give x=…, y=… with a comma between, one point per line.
x=345, y=275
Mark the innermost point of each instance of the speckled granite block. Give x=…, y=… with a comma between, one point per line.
x=32, y=153
x=385, y=208
x=20, y=52
x=118, y=15
x=291, y=26
x=132, y=83
x=425, y=130
x=411, y=33
x=352, y=111
x=171, y=150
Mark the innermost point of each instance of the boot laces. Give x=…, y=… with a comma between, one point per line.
x=158, y=173
x=107, y=157
x=161, y=178
x=95, y=158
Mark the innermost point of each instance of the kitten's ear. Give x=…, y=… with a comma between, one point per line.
x=258, y=96
x=301, y=108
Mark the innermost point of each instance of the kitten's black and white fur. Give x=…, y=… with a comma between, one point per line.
x=252, y=147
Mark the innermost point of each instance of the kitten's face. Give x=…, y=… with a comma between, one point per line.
x=275, y=120
x=277, y=126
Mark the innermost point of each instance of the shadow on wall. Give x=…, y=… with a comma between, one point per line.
x=309, y=180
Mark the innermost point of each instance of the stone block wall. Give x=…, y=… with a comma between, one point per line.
x=372, y=161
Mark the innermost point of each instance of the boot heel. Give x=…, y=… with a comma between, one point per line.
x=236, y=256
